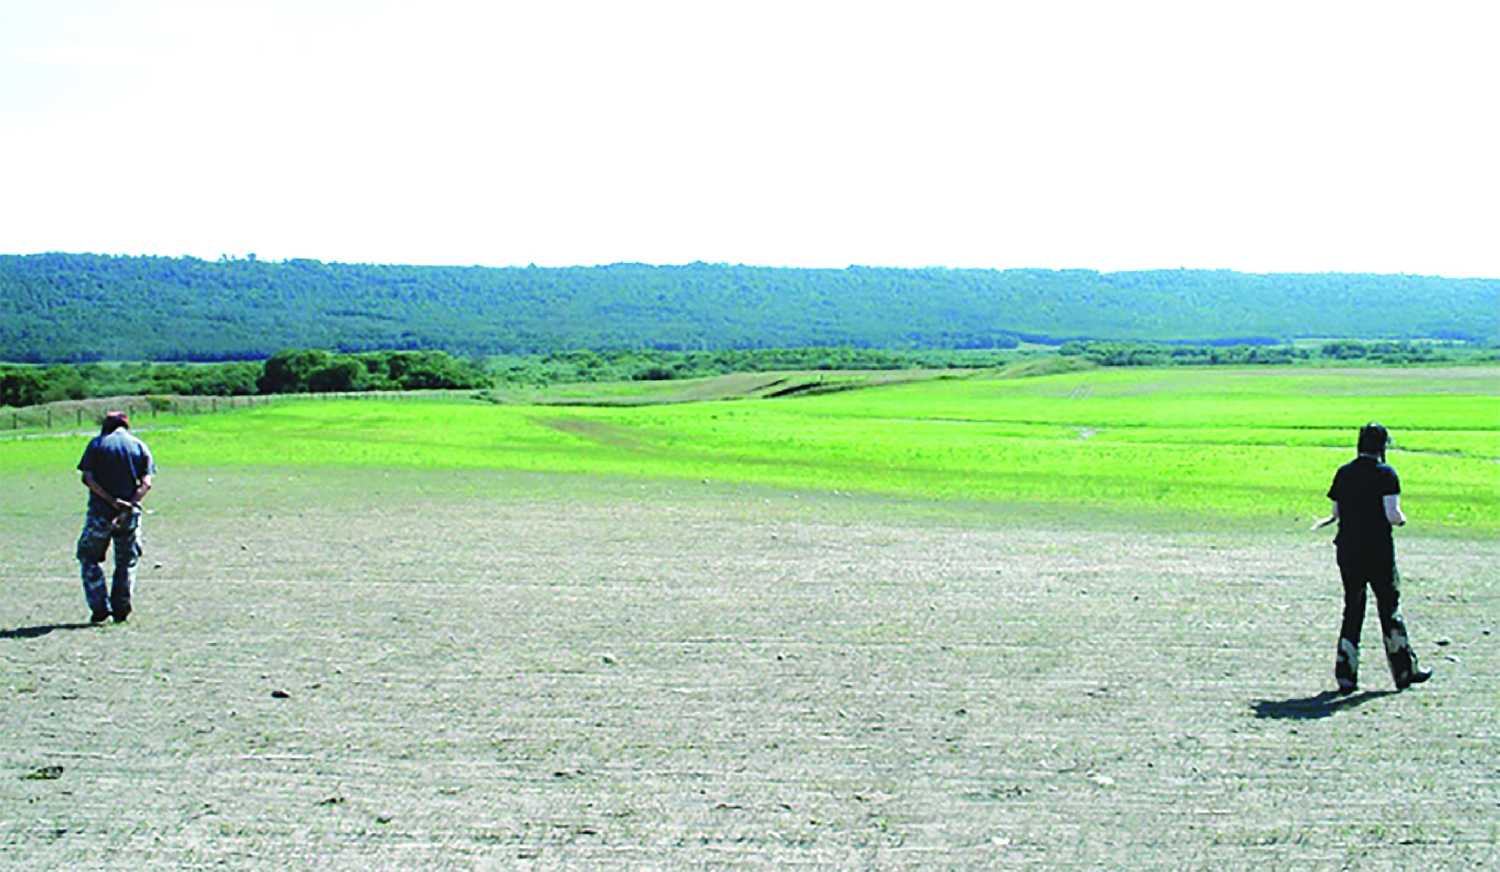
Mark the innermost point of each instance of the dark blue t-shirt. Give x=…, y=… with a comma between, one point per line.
x=117, y=460
x=1360, y=487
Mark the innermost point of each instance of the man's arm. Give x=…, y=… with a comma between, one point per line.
x=101, y=493
x=1332, y=516
x=140, y=489
x=1393, y=511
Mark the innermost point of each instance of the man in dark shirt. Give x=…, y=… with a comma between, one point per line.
x=1366, y=496
x=117, y=469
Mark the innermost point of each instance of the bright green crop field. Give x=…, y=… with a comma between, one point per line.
x=1251, y=444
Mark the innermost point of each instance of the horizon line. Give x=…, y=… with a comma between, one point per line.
x=252, y=257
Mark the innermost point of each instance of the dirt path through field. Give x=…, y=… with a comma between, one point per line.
x=433, y=670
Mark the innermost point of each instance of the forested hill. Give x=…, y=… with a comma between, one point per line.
x=69, y=307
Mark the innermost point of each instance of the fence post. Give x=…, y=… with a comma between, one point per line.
x=49, y=417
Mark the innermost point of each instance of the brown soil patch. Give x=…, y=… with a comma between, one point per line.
x=361, y=670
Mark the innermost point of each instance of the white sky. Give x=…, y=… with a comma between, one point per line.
x=1260, y=136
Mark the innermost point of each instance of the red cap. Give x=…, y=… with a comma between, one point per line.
x=115, y=420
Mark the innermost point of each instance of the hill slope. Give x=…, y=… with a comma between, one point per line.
x=78, y=307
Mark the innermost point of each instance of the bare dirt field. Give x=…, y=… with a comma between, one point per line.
x=472, y=670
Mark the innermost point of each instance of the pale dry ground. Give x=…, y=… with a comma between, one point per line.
x=491, y=671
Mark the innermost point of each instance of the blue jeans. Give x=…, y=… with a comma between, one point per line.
x=99, y=529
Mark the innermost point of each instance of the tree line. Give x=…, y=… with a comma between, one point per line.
x=286, y=372
x=83, y=307
x=655, y=365
x=1387, y=352
x=317, y=370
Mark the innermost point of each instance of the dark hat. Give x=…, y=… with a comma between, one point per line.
x=1373, y=439
x=115, y=420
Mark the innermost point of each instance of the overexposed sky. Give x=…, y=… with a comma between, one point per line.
x=1260, y=136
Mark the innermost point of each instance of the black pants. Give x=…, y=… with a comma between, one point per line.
x=1377, y=572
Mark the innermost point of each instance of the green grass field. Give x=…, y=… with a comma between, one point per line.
x=1253, y=445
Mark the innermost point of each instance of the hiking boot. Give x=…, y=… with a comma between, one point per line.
x=121, y=616
x=98, y=617
x=1417, y=677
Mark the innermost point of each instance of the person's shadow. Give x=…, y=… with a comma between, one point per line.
x=1305, y=708
x=39, y=630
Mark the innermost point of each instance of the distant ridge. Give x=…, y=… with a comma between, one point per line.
x=72, y=307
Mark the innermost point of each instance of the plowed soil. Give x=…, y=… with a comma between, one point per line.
x=447, y=670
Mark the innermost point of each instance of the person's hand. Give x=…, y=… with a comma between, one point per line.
x=124, y=505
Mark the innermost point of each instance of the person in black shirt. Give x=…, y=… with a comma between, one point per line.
x=1366, y=496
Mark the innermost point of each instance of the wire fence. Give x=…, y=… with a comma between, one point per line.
x=82, y=414
x=66, y=414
